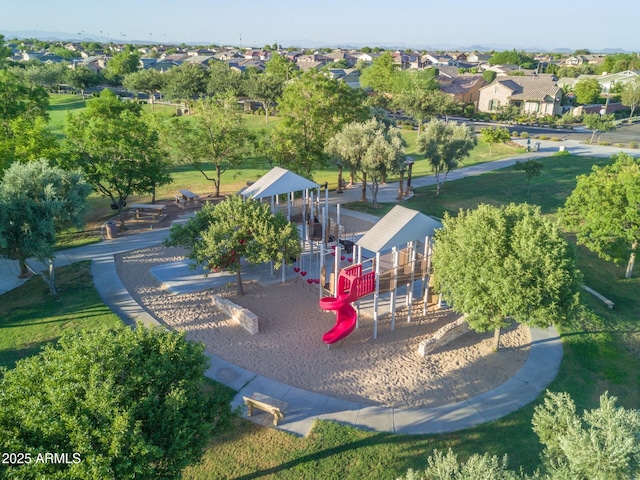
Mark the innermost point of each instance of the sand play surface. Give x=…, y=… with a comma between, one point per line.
x=289, y=348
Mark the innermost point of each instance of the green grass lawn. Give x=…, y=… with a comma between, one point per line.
x=30, y=317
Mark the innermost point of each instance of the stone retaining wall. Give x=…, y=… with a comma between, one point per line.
x=445, y=335
x=245, y=318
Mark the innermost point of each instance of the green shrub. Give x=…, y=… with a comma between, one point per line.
x=515, y=133
x=633, y=144
x=543, y=137
x=524, y=135
x=604, y=144
x=561, y=153
x=555, y=139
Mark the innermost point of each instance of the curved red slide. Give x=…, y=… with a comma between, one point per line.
x=351, y=286
x=346, y=317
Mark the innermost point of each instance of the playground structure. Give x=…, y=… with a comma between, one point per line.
x=387, y=266
x=388, y=254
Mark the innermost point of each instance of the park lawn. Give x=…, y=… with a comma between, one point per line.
x=60, y=104
x=31, y=318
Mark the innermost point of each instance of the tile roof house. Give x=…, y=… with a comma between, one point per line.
x=464, y=88
x=534, y=95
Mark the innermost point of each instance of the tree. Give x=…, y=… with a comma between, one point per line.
x=122, y=403
x=494, y=135
x=222, y=234
x=215, y=135
x=281, y=67
x=531, y=168
x=587, y=91
x=372, y=148
x=446, y=467
x=121, y=64
x=186, y=82
x=598, y=124
x=266, y=89
x=444, y=145
x=511, y=57
x=149, y=81
x=314, y=107
x=384, y=155
x=380, y=75
x=503, y=264
x=603, y=210
x=81, y=78
x=5, y=51
x=489, y=76
x=601, y=445
x=117, y=149
x=631, y=95
x=222, y=79
x=23, y=117
x=37, y=202
x=417, y=96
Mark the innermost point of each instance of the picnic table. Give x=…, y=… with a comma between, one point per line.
x=186, y=198
x=144, y=209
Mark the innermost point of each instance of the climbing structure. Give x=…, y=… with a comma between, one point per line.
x=352, y=284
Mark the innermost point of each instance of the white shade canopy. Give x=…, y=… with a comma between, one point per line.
x=398, y=227
x=277, y=181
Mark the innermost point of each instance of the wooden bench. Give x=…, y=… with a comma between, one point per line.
x=600, y=297
x=186, y=197
x=266, y=404
x=143, y=209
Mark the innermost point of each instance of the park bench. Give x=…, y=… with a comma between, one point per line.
x=266, y=404
x=186, y=198
x=143, y=209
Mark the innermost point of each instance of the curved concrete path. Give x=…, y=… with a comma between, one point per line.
x=539, y=370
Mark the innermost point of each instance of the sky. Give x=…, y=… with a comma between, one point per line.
x=420, y=24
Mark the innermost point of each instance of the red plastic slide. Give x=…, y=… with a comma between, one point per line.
x=351, y=286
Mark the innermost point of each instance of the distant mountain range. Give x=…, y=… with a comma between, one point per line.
x=302, y=43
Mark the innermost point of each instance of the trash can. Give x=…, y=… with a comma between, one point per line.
x=112, y=230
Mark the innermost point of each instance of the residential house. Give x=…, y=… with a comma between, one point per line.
x=464, y=89
x=350, y=76
x=198, y=52
x=606, y=81
x=534, y=95
x=407, y=60
x=97, y=63
x=338, y=55
x=163, y=65
x=305, y=66
x=434, y=59
x=256, y=55
x=202, y=60
x=478, y=58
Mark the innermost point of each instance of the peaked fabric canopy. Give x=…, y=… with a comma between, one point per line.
x=276, y=182
x=398, y=227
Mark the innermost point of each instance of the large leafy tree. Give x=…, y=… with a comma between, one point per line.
x=149, y=81
x=314, y=107
x=123, y=63
x=82, y=77
x=603, y=210
x=503, y=264
x=512, y=57
x=123, y=403
x=587, y=91
x=221, y=235
x=444, y=145
x=222, y=79
x=216, y=135
x=631, y=94
x=37, y=202
x=117, y=149
x=380, y=75
x=24, y=133
x=266, y=89
x=186, y=82
x=281, y=67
